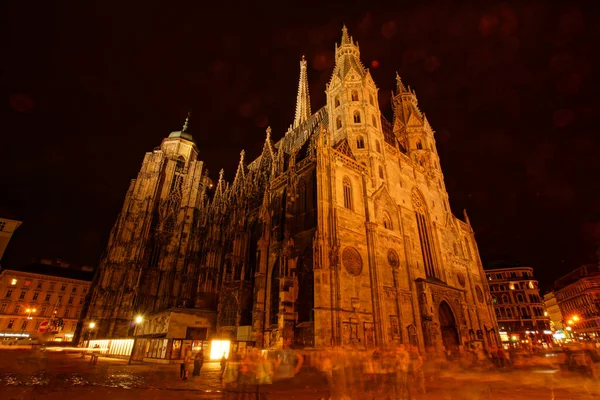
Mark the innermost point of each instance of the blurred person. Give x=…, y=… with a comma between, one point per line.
x=500, y=357
x=223, y=365
x=416, y=368
x=198, y=362
x=402, y=369
x=187, y=363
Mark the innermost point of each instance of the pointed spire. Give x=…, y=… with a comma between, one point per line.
x=467, y=220
x=186, y=123
x=240, y=176
x=303, y=101
x=268, y=134
x=346, y=39
x=400, y=88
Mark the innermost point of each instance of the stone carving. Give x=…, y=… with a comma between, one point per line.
x=352, y=261
x=392, y=257
x=461, y=279
x=479, y=293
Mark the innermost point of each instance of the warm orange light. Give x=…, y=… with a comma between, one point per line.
x=92, y=325
x=575, y=318
x=570, y=322
x=28, y=310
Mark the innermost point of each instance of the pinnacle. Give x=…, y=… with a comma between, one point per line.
x=186, y=123
x=345, y=37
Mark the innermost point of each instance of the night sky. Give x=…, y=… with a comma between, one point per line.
x=511, y=89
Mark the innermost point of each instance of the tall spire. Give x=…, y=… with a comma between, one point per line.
x=400, y=88
x=303, y=101
x=240, y=175
x=186, y=123
x=346, y=39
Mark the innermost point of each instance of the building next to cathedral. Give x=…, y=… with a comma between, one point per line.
x=338, y=234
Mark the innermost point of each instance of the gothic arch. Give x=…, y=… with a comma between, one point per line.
x=347, y=192
x=427, y=243
x=448, y=327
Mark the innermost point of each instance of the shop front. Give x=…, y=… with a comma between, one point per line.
x=164, y=337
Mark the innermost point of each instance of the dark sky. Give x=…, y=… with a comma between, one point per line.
x=511, y=89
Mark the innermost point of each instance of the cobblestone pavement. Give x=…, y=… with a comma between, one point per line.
x=30, y=374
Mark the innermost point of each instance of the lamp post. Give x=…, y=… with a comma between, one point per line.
x=138, y=320
x=29, y=311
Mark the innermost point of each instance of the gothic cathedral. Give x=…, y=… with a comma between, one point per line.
x=338, y=234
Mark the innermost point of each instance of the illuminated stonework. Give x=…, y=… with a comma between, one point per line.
x=339, y=233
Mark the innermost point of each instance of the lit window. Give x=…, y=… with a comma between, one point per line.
x=531, y=285
x=511, y=286
x=13, y=282
x=27, y=283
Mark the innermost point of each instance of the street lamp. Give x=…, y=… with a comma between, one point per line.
x=138, y=320
x=575, y=318
x=92, y=325
x=29, y=311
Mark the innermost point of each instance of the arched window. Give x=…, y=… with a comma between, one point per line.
x=356, y=117
x=381, y=172
x=494, y=300
x=497, y=313
x=371, y=100
x=524, y=312
x=347, y=193
x=387, y=221
x=374, y=120
x=229, y=311
x=419, y=145
x=180, y=164
x=378, y=146
x=520, y=298
x=360, y=142
x=354, y=95
x=336, y=101
x=509, y=313
x=427, y=249
x=338, y=122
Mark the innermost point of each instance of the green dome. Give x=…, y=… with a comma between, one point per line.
x=182, y=135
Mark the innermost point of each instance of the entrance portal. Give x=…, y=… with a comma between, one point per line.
x=448, y=328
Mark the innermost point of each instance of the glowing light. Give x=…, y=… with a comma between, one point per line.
x=13, y=282
x=92, y=325
x=569, y=328
x=545, y=313
x=218, y=348
x=570, y=322
x=575, y=318
x=139, y=319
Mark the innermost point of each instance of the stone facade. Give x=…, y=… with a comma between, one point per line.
x=338, y=234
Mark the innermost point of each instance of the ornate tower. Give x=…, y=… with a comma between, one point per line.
x=151, y=261
x=353, y=108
